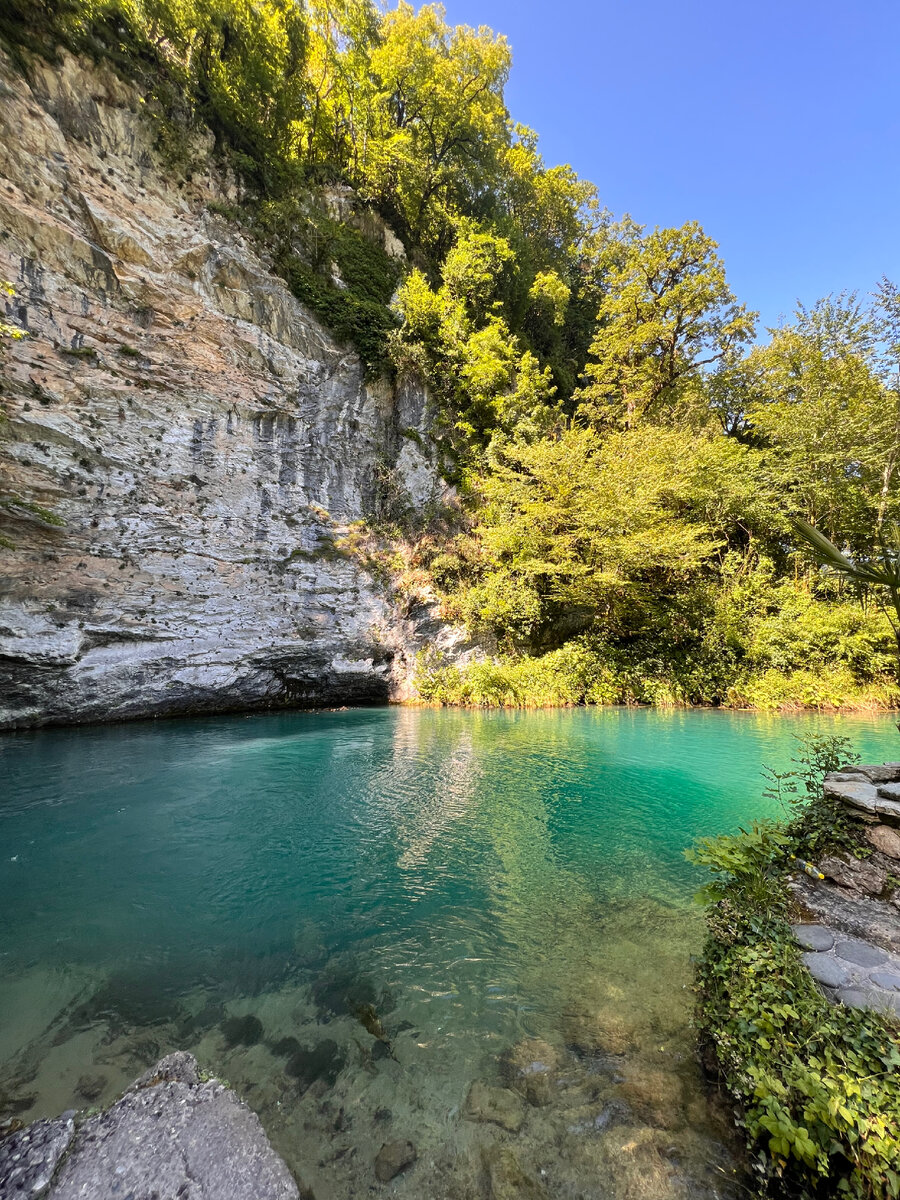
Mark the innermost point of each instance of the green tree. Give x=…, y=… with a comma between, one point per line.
x=878, y=572
x=666, y=314
x=439, y=121
x=830, y=421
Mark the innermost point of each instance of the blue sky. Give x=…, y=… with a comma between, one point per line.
x=775, y=125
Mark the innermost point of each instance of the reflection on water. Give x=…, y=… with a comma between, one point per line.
x=354, y=916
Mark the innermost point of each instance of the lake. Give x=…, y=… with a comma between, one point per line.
x=351, y=916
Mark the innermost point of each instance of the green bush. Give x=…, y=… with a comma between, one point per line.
x=818, y=1085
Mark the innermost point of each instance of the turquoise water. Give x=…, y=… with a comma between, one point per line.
x=476, y=879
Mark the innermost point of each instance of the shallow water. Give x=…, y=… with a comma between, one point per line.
x=267, y=891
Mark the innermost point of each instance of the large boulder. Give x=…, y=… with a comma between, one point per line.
x=171, y=1134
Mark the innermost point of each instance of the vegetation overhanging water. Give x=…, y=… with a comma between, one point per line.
x=268, y=891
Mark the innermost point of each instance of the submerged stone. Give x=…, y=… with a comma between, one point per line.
x=242, y=1031
x=392, y=1158
x=341, y=989
x=599, y=1031
x=285, y=1047
x=495, y=1104
x=90, y=1086
x=656, y=1096
x=322, y=1061
x=530, y=1067
x=506, y=1178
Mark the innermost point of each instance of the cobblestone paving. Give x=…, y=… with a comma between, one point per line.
x=849, y=970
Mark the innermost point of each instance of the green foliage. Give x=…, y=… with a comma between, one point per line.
x=667, y=312
x=880, y=572
x=818, y=823
x=563, y=677
x=817, y=1084
x=633, y=475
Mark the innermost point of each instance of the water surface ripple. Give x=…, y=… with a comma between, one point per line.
x=351, y=916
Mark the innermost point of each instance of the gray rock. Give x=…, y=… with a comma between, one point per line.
x=886, y=979
x=872, y=920
x=495, y=1104
x=853, y=997
x=169, y=1135
x=29, y=1158
x=178, y=1067
x=890, y=791
x=885, y=1002
x=858, y=875
x=392, y=1158
x=884, y=839
x=826, y=970
x=813, y=937
x=880, y=772
x=858, y=794
x=204, y=481
x=861, y=953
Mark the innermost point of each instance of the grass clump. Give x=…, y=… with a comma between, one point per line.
x=817, y=1085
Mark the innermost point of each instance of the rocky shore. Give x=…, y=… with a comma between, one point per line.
x=172, y=1134
x=852, y=945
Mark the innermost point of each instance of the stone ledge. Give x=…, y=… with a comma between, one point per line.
x=170, y=1134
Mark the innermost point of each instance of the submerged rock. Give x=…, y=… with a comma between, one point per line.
x=90, y=1086
x=341, y=989
x=169, y=1135
x=599, y=1031
x=530, y=1067
x=322, y=1061
x=506, y=1179
x=656, y=1096
x=495, y=1104
x=242, y=1031
x=392, y=1158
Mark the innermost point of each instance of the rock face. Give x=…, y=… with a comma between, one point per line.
x=169, y=1135
x=184, y=444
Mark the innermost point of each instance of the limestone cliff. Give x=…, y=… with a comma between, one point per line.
x=201, y=438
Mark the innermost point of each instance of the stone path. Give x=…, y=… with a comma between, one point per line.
x=851, y=940
x=851, y=970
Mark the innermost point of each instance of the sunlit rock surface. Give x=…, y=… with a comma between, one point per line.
x=204, y=440
x=171, y=1134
